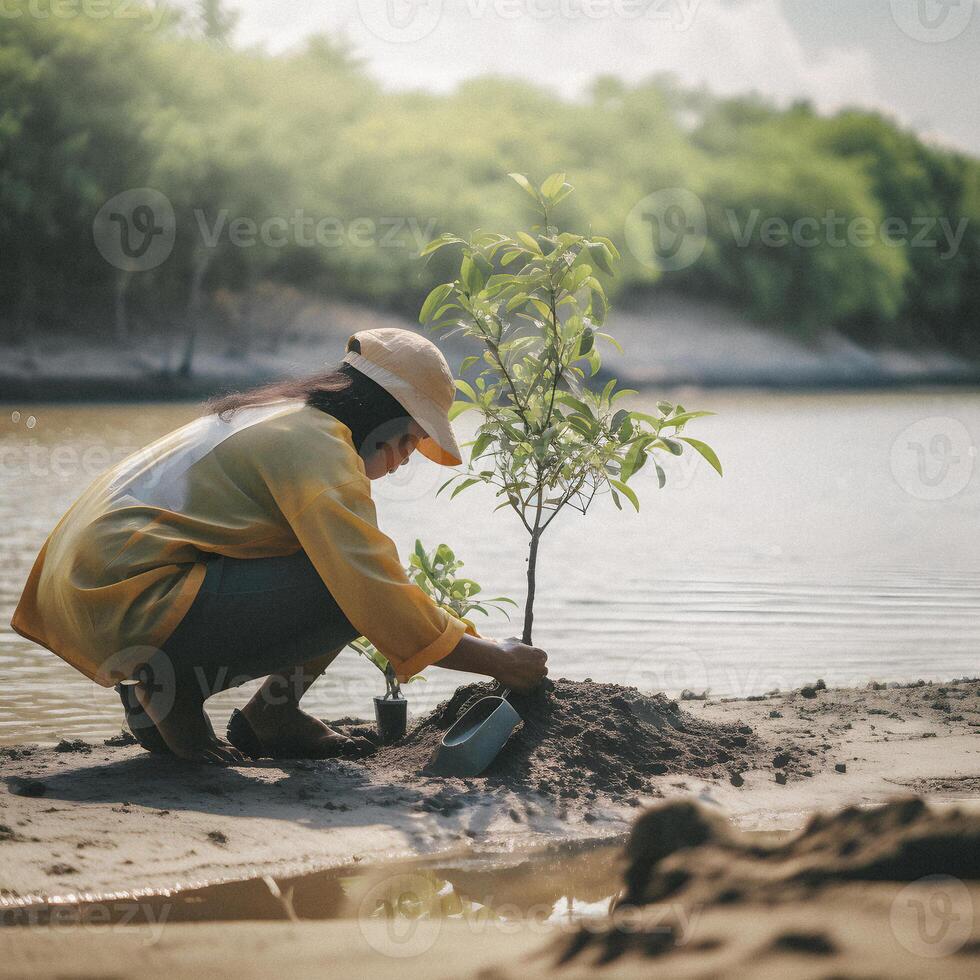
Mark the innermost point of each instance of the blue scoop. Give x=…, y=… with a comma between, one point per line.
x=476, y=737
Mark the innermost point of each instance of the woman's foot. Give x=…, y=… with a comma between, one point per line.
x=286, y=731
x=185, y=728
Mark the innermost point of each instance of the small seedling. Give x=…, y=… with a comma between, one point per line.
x=435, y=573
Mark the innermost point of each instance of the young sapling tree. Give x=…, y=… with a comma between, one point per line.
x=547, y=440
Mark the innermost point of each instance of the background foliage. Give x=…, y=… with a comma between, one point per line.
x=93, y=107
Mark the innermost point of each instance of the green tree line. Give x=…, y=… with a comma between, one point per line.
x=93, y=107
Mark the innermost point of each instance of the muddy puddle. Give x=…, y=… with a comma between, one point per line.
x=565, y=883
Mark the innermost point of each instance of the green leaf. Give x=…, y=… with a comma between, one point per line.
x=524, y=183
x=525, y=239
x=613, y=251
x=599, y=306
x=483, y=440
x=468, y=362
x=601, y=256
x=622, y=393
x=457, y=409
x=560, y=195
x=612, y=340
x=466, y=388
x=661, y=476
x=565, y=398
x=685, y=417
x=542, y=308
x=553, y=185
x=437, y=243
x=586, y=342
x=434, y=300
x=706, y=451
x=462, y=486
x=518, y=299
x=626, y=492
x=471, y=275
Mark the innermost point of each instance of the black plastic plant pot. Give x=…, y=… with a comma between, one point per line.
x=392, y=718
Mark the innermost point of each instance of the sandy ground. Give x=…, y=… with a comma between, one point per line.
x=117, y=820
x=732, y=943
x=852, y=896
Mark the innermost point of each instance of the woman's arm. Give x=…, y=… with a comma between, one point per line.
x=511, y=662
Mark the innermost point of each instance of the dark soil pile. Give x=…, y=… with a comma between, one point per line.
x=584, y=738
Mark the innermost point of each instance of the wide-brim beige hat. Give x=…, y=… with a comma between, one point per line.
x=412, y=369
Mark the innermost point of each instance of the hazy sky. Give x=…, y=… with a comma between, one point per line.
x=916, y=59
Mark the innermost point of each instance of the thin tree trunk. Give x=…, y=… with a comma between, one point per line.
x=532, y=564
x=122, y=319
x=27, y=313
x=201, y=262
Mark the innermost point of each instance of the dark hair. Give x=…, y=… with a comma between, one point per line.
x=343, y=392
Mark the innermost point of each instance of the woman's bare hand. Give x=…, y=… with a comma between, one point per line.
x=514, y=664
x=519, y=666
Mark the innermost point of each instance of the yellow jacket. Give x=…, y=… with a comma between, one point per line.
x=124, y=564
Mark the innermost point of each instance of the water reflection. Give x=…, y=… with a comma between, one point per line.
x=564, y=884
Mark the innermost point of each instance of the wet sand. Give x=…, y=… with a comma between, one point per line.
x=111, y=820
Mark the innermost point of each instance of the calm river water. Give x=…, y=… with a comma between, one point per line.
x=843, y=542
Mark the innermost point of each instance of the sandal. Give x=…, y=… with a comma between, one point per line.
x=242, y=735
x=140, y=723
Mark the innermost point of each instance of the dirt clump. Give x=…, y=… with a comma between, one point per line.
x=681, y=856
x=680, y=847
x=580, y=739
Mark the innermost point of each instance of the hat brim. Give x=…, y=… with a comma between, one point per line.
x=439, y=443
x=431, y=449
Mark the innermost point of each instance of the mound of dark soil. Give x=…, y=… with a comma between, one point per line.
x=581, y=738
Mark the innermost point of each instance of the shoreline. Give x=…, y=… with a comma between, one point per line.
x=17, y=391
x=116, y=820
x=669, y=341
